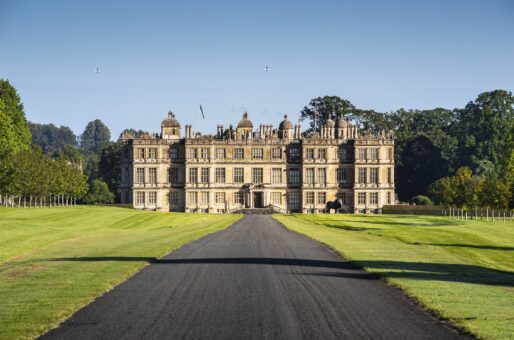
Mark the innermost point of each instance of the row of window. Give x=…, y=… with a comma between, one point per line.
x=312, y=175
x=221, y=153
x=257, y=175
x=140, y=175
x=149, y=197
x=311, y=153
x=142, y=153
x=309, y=197
x=371, y=198
x=371, y=175
x=258, y=153
x=202, y=197
x=372, y=154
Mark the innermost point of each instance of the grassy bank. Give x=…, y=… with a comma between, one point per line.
x=461, y=270
x=54, y=261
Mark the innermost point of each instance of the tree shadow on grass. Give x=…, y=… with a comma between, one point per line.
x=428, y=223
x=346, y=227
x=460, y=245
x=449, y=272
x=389, y=269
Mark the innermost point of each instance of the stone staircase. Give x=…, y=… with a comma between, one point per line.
x=256, y=211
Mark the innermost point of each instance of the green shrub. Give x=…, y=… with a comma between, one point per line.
x=99, y=193
x=421, y=200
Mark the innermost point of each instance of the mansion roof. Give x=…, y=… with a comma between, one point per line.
x=287, y=132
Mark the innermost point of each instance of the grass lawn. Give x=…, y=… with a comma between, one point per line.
x=461, y=270
x=39, y=288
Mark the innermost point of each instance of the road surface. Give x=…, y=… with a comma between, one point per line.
x=253, y=280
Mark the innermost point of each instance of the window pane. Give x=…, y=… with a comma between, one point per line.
x=309, y=197
x=362, y=175
x=276, y=153
x=294, y=176
x=322, y=197
x=220, y=153
x=276, y=175
x=204, y=178
x=322, y=176
x=257, y=175
x=309, y=175
x=239, y=153
x=152, y=175
x=220, y=175
x=257, y=153
x=193, y=175
x=238, y=175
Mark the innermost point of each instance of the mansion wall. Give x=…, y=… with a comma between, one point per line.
x=242, y=168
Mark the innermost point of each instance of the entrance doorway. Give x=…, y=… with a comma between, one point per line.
x=257, y=200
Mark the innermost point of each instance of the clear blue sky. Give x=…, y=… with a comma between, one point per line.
x=156, y=56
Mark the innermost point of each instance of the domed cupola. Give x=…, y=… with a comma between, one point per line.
x=170, y=127
x=330, y=123
x=171, y=121
x=245, y=122
x=245, y=127
x=342, y=123
x=342, y=128
x=285, y=124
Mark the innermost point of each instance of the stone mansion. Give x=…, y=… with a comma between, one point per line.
x=242, y=168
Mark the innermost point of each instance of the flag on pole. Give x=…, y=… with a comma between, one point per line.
x=201, y=110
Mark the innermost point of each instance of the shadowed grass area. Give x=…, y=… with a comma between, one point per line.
x=461, y=270
x=42, y=279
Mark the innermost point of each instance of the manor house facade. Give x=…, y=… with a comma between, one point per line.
x=246, y=168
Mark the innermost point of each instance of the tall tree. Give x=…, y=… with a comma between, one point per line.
x=109, y=167
x=437, y=125
x=421, y=164
x=494, y=194
x=14, y=133
x=95, y=136
x=14, y=117
x=50, y=138
x=443, y=191
x=486, y=133
x=466, y=188
x=7, y=131
x=320, y=109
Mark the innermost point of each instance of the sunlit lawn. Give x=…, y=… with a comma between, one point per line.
x=41, y=283
x=461, y=270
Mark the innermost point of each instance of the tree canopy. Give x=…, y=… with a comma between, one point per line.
x=15, y=134
x=99, y=193
x=50, y=138
x=109, y=167
x=486, y=133
x=95, y=136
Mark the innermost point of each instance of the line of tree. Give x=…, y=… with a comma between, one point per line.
x=433, y=144
x=465, y=190
x=44, y=165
